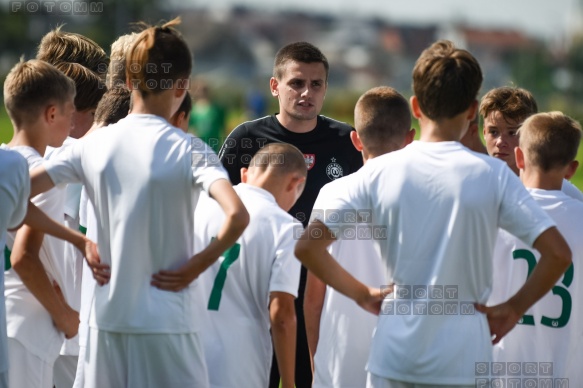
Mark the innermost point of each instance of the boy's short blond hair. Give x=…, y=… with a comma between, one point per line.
x=33, y=85
x=116, y=73
x=550, y=140
x=89, y=86
x=61, y=46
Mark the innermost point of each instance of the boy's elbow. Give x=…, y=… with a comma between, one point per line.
x=563, y=256
x=240, y=219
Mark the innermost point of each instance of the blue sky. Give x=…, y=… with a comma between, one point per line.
x=550, y=19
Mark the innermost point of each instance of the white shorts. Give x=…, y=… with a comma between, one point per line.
x=115, y=360
x=374, y=381
x=27, y=370
x=64, y=371
x=80, y=371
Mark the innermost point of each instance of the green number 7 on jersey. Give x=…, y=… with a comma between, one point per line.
x=229, y=257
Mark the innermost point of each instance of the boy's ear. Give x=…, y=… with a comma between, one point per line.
x=572, y=169
x=519, y=155
x=244, y=171
x=356, y=141
x=409, y=137
x=415, y=110
x=50, y=112
x=295, y=181
x=473, y=110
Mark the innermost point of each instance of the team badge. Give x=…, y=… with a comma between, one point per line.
x=334, y=170
x=310, y=160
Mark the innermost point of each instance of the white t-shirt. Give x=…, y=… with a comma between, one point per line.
x=27, y=320
x=73, y=259
x=435, y=210
x=14, y=193
x=143, y=177
x=571, y=190
x=236, y=288
x=552, y=330
x=345, y=328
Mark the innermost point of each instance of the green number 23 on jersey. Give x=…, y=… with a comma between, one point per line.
x=562, y=292
x=229, y=257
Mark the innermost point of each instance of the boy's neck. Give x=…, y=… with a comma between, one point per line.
x=451, y=129
x=30, y=137
x=535, y=179
x=155, y=104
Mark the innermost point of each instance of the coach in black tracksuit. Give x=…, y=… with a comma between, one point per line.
x=299, y=83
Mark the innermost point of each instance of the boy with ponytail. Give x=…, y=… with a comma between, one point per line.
x=143, y=177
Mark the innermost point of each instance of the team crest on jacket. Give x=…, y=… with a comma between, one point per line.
x=334, y=170
x=310, y=160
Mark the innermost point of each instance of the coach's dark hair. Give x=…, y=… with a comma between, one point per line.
x=299, y=52
x=159, y=59
x=446, y=80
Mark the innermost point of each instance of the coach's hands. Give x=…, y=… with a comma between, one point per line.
x=67, y=320
x=501, y=319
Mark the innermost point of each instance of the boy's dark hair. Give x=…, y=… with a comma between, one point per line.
x=113, y=106
x=283, y=158
x=550, y=140
x=60, y=46
x=90, y=87
x=33, y=85
x=513, y=103
x=446, y=80
x=116, y=73
x=298, y=52
x=158, y=59
x=382, y=117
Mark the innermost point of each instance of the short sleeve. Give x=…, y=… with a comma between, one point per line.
x=205, y=164
x=285, y=271
x=519, y=212
x=66, y=167
x=14, y=188
x=342, y=203
x=229, y=154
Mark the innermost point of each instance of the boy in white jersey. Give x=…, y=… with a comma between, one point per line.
x=114, y=106
x=39, y=100
x=551, y=331
x=14, y=193
x=504, y=109
x=143, y=177
x=440, y=206
x=339, y=332
x=254, y=287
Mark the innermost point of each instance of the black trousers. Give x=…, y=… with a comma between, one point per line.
x=303, y=368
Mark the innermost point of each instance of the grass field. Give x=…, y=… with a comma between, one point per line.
x=6, y=135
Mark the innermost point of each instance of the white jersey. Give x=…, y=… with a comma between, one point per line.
x=143, y=177
x=551, y=331
x=27, y=320
x=235, y=334
x=14, y=193
x=345, y=328
x=73, y=258
x=435, y=210
x=571, y=190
